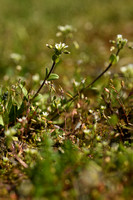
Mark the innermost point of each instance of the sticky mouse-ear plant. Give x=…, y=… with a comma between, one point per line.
x=117, y=46
x=49, y=76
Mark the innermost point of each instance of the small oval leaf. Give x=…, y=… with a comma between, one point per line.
x=53, y=77
x=114, y=59
x=47, y=71
x=24, y=90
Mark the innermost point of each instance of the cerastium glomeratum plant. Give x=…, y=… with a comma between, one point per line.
x=117, y=46
x=49, y=76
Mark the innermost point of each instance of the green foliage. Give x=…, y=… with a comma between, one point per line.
x=70, y=138
x=113, y=59
x=53, y=77
x=53, y=169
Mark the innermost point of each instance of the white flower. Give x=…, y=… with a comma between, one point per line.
x=121, y=40
x=45, y=114
x=127, y=69
x=35, y=77
x=61, y=28
x=119, y=37
x=10, y=132
x=123, y=69
x=60, y=46
x=65, y=28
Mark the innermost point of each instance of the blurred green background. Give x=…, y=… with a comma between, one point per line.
x=27, y=25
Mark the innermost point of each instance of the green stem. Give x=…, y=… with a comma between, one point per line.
x=44, y=81
x=97, y=78
x=90, y=84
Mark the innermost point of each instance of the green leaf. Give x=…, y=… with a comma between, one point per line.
x=6, y=118
x=25, y=92
x=47, y=71
x=9, y=104
x=53, y=77
x=113, y=119
x=1, y=121
x=37, y=98
x=22, y=108
x=13, y=113
x=114, y=59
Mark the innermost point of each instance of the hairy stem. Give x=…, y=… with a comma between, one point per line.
x=97, y=78
x=90, y=84
x=44, y=81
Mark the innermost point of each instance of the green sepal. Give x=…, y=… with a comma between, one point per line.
x=55, y=58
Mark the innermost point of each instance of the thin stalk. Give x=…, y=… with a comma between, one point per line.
x=97, y=78
x=90, y=84
x=44, y=81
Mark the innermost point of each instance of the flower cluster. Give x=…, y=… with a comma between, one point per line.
x=120, y=42
x=58, y=48
x=66, y=30
x=10, y=132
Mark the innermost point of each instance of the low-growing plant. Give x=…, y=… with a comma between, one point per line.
x=69, y=145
